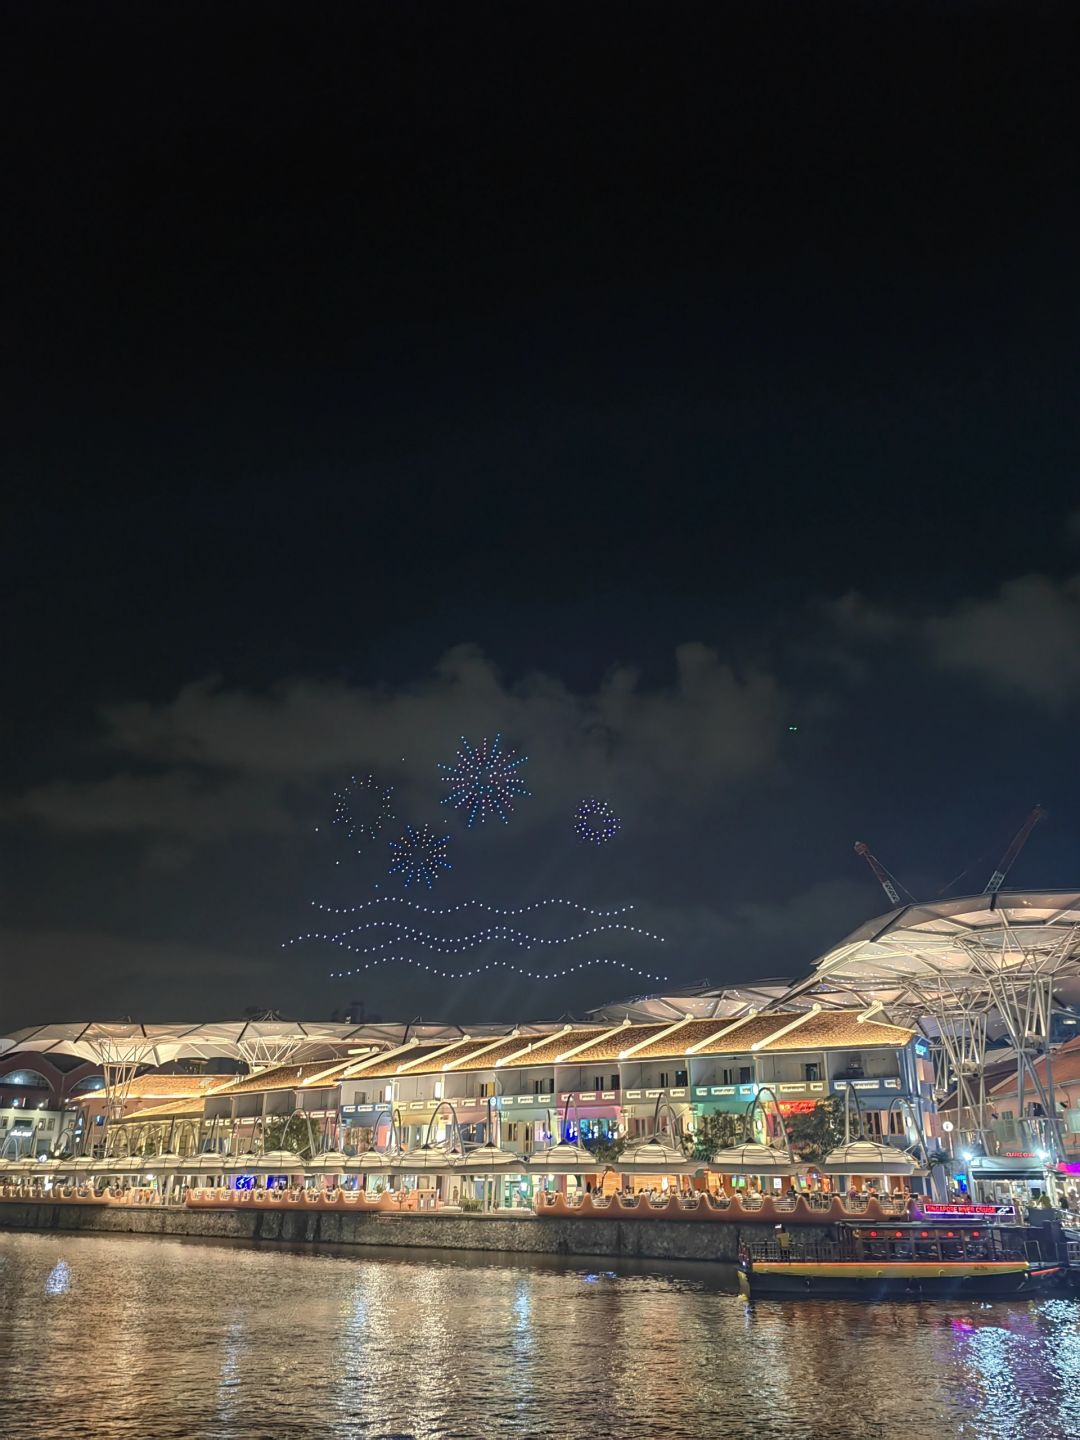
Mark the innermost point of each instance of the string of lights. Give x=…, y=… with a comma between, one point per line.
x=461, y=944
x=496, y=965
x=419, y=856
x=466, y=905
x=484, y=782
x=595, y=821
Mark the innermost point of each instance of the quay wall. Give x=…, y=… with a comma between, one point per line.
x=521, y=1233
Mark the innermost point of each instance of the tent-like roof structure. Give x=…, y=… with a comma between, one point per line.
x=704, y=1001
x=124, y=1047
x=973, y=950
x=109, y=1042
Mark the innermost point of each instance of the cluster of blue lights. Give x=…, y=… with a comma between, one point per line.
x=484, y=782
x=595, y=821
x=419, y=856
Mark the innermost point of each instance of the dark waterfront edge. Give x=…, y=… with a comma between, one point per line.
x=525, y=1234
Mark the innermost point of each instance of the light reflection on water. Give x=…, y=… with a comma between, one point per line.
x=167, y=1339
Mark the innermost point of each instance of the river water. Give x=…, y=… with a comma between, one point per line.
x=144, y=1339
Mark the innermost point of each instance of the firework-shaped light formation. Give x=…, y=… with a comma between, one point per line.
x=419, y=855
x=377, y=804
x=595, y=821
x=484, y=781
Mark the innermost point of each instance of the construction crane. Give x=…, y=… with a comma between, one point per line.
x=1019, y=840
x=887, y=882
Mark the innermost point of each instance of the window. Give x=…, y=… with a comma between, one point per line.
x=388, y=1092
x=598, y=1082
x=614, y=1083
x=728, y=1077
x=744, y=1075
x=811, y=1071
x=485, y=1089
x=664, y=1081
x=25, y=1077
x=538, y=1087
x=438, y=1089
x=680, y=1077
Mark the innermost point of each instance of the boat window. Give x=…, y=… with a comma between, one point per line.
x=978, y=1245
x=874, y=1245
x=926, y=1246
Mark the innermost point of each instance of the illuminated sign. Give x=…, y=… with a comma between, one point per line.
x=1020, y=1155
x=959, y=1210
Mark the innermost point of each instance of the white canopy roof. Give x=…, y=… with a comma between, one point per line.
x=565, y=1157
x=129, y=1042
x=752, y=1158
x=260, y=1041
x=963, y=953
x=869, y=1157
x=654, y=1157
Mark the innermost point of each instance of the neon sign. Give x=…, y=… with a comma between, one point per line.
x=960, y=1209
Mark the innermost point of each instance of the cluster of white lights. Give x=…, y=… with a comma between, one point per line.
x=343, y=809
x=484, y=782
x=419, y=855
x=460, y=944
x=465, y=905
x=496, y=965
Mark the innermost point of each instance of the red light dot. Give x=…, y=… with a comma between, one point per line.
x=949, y=1234
x=899, y=1234
x=924, y=1233
x=873, y=1234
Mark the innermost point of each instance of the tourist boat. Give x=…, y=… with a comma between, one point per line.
x=968, y=1255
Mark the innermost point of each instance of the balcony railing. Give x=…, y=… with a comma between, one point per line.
x=646, y=1095
x=725, y=1092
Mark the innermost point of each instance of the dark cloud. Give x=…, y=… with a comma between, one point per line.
x=228, y=761
x=1022, y=639
x=156, y=976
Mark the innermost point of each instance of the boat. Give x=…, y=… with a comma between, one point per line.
x=956, y=1256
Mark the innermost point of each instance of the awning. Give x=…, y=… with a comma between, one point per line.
x=1003, y=1167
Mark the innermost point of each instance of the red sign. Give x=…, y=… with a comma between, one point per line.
x=960, y=1209
x=1019, y=1154
x=797, y=1107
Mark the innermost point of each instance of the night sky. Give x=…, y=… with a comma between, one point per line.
x=688, y=394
